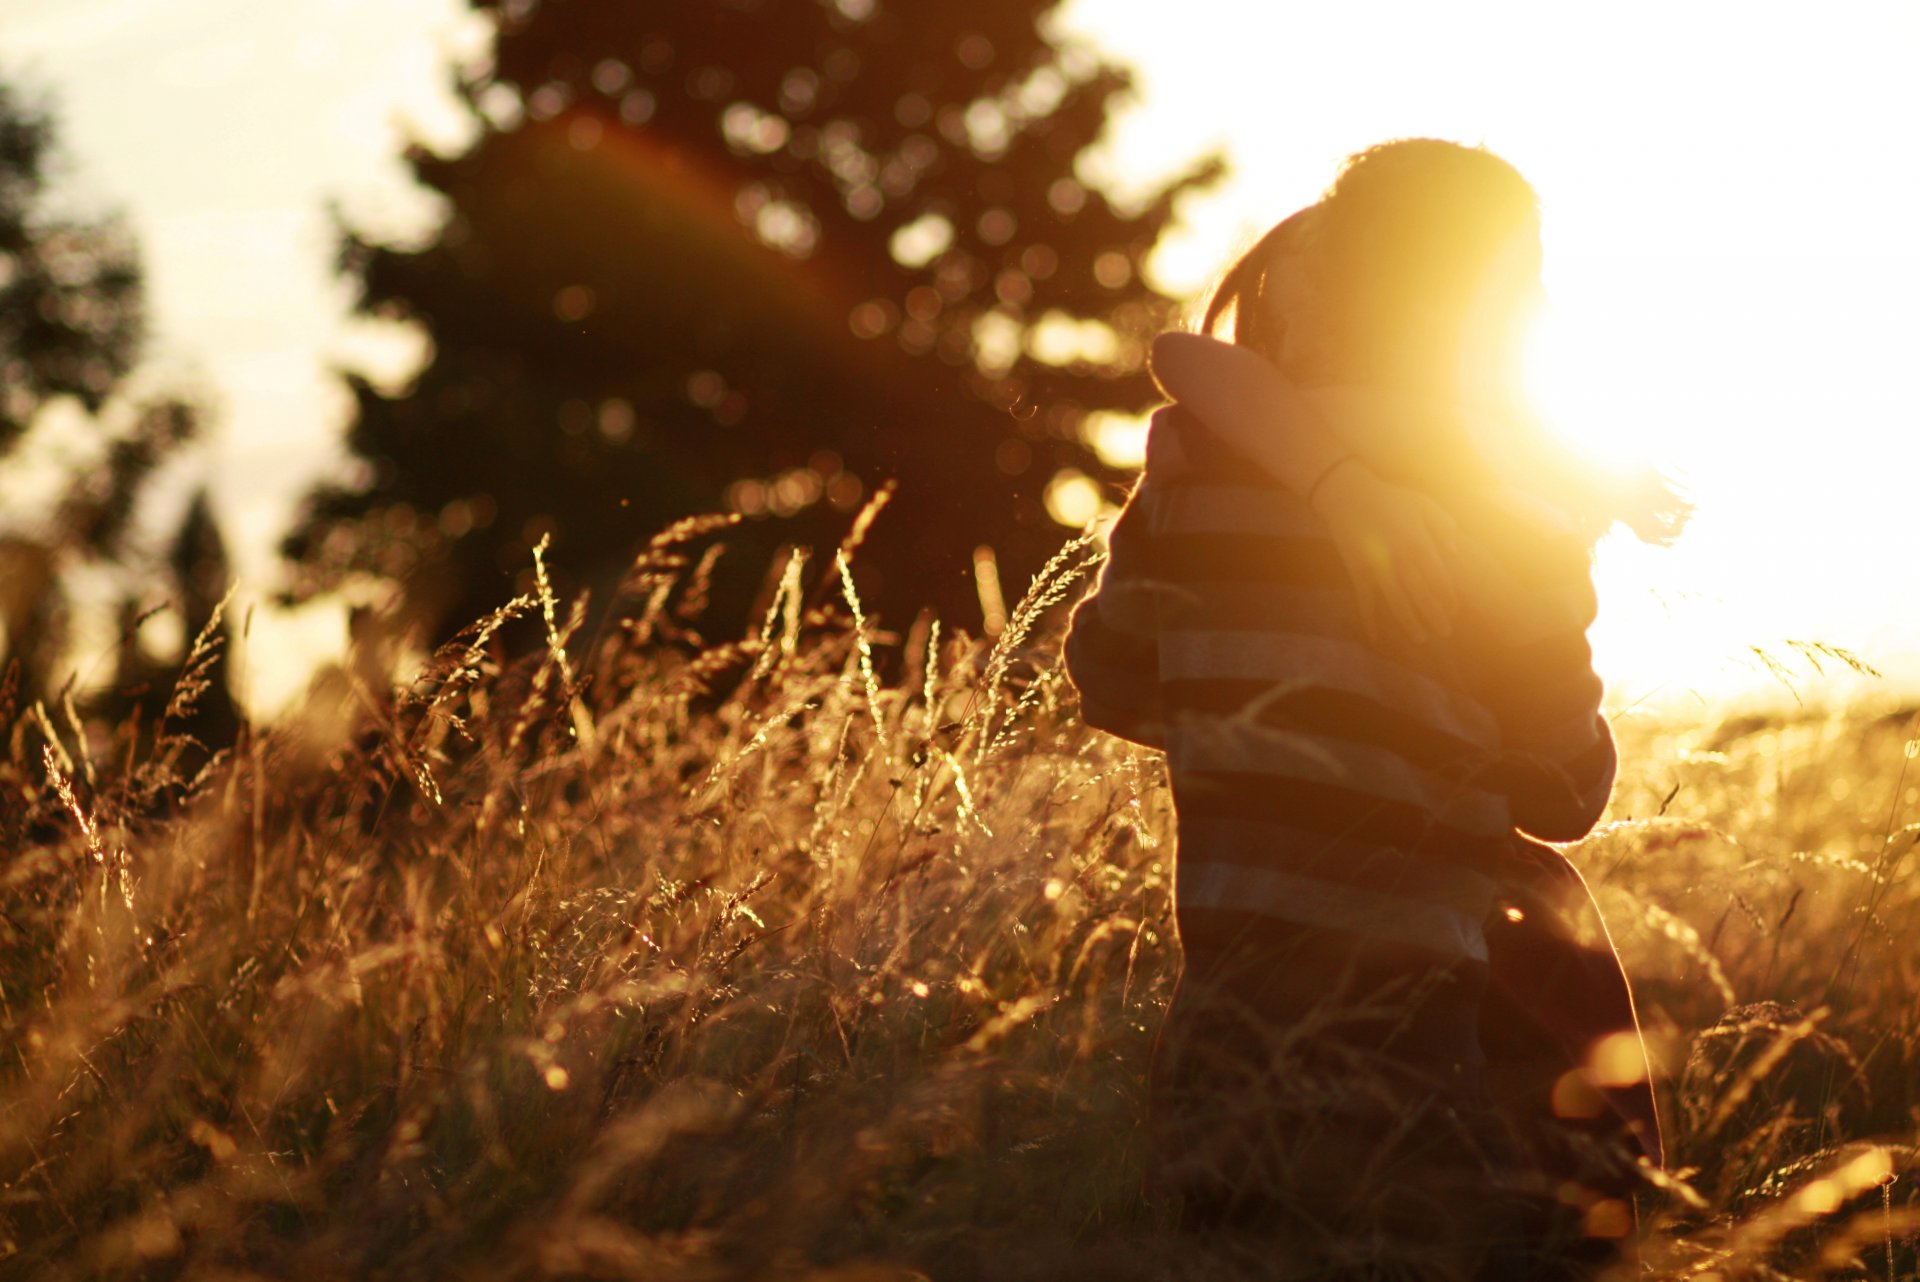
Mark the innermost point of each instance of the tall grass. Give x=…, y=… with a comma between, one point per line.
x=645, y=958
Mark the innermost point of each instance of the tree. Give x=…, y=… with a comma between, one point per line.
x=765, y=255
x=70, y=313
x=72, y=322
x=152, y=693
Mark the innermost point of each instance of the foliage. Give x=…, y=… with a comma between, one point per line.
x=750, y=254
x=70, y=314
x=72, y=320
x=565, y=965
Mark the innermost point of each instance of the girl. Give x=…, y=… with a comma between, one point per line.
x=1380, y=1008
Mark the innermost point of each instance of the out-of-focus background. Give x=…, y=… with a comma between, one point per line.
x=1728, y=213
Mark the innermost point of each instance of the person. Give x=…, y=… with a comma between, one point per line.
x=1348, y=598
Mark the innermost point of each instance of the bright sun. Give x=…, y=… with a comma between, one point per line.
x=1731, y=270
x=1601, y=413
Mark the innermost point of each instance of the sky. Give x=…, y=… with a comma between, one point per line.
x=223, y=128
x=1727, y=193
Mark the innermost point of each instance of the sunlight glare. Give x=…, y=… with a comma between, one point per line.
x=1567, y=380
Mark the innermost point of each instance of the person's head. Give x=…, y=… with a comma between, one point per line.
x=1417, y=269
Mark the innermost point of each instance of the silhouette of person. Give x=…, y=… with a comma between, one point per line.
x=1348, y=598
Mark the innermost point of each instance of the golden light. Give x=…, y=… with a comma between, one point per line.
x=1730, y=271
x=1120, y=440
x=1568, y=379
x=1821, y=1197
x=986, y=582
x=1058, y=339
x=1607, y=1218
x=1617, y=1060
x=1073, y=498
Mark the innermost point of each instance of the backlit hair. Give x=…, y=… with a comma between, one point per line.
x=1372, y=284
x=1385, y=264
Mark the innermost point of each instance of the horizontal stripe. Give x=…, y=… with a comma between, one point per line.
x=1335, y=713
x=1135, y=605
x=1220, y=744
x=1093, y=634
x=1252, y=560
x=1141, y=725
x=1537, y=690
x=1116, y=673
x=1334, y=798
x=1310, y=901
x=1234, y=607
x=1383, y=869
x=1104, y=704
x=1262, y=957
x=1331, y=811
x=1572, y=740
x=1203, y=507
x=1514, y=610
x=1588, y=772
x=1336, y=664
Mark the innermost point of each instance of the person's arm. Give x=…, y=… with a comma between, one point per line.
x=1243, y=398
x=1389, y=536
x=1558, y=762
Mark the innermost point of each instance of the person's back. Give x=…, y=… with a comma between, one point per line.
x=1346, y=813
x=1363, y=913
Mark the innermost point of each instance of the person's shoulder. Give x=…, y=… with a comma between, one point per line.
x=1182, y=448
x=1166, y=455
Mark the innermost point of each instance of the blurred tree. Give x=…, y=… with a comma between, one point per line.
x=70, y=313
x=147, y=689
x=71, y=326
x=762, y=255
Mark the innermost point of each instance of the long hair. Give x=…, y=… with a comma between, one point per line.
x=1375, y=283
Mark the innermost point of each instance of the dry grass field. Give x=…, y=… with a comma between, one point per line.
x=647, y=959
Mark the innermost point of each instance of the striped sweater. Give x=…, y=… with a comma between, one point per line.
x=1339, y=802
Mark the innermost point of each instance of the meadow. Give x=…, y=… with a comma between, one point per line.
x=828, y=953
